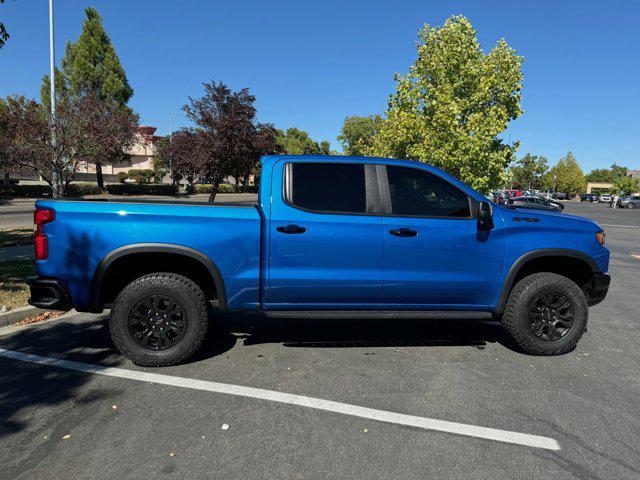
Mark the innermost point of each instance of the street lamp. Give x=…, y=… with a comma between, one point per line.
x=52, y=81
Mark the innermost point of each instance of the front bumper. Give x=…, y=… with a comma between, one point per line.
x=598, y=287
x=49, y=293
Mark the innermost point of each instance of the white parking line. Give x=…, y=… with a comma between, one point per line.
x=497, y=435
x=620, y=226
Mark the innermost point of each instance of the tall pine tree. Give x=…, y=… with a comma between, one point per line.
x=91, y=65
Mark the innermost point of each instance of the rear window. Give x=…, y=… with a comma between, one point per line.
x=327, y=187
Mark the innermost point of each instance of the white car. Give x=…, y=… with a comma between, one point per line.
x=604, y=199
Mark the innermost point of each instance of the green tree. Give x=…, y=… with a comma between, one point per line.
x=566, y=176
x=452, y=105
x=357, y=133
x=626, y=185
x=4, y=35
x=294, y=141
x=618, y=171
x=91, y=66
x=600, y=175
x=528, y=171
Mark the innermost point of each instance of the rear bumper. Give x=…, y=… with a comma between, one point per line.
x=598, y=288
x=49, y=293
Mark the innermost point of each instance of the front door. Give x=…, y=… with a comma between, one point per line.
x=325, y=243
x=434, y=256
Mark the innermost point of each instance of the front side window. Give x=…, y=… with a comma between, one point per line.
x=418, y=193
x=328, y=187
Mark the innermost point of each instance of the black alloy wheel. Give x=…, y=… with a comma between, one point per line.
x=551, y=316
x=157, y=322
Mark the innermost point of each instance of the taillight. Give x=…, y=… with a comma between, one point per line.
x=40, y=240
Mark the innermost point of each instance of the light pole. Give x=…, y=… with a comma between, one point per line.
x=180, y=114
x=55, y=178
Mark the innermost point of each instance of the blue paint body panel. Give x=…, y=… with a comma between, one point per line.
x=341, y=262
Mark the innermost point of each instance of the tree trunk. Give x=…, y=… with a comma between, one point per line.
x=214, y=192
x=99, y=176
x=57, y=188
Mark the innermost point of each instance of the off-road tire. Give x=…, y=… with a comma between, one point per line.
x=515, y=318
x=190, y=298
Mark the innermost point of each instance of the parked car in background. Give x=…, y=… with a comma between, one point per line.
x=551, y=202
x=589, y=197
x=605, y=198
x=514, y=193
x=560, y=196
x=629, y=202
x=532, y=201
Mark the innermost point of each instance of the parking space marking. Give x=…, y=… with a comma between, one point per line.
x=620, y=226
x=494, y=434
x=635, y=256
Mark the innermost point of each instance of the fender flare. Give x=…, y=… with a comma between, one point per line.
x=544, y=252
x=98, y=275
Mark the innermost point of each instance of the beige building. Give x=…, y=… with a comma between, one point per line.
x=141, y=156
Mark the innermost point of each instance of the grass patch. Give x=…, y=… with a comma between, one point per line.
x=14, y=292
x=16, y=236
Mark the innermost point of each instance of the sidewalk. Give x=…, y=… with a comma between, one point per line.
x=8, y=254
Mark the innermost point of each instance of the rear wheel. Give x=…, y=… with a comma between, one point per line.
x=630, y=205
x=546, y=314
x=159, y=320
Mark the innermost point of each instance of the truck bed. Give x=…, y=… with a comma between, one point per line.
x=85, y=232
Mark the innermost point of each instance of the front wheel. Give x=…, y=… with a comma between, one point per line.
x=159, y=320
x=630, y=205
x=546, y=314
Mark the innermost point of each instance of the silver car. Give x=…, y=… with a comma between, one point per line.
x=630, y=202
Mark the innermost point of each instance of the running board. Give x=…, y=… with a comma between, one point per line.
x=429, y=314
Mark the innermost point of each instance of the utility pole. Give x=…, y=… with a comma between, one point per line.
x=52, y=80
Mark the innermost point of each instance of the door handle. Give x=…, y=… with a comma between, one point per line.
x=291, y=229
x=403, y=232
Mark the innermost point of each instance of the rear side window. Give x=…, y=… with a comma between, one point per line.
x=328, y=187
x=419, y=193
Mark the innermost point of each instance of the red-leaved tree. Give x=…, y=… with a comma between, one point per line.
x=85, y=127
x=229, y=140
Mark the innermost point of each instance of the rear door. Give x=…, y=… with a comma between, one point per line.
x=434, y=255
x=325, y=238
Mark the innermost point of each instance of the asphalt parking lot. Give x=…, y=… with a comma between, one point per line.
x=81, y=420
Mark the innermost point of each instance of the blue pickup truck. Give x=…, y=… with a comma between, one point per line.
x=329, y=237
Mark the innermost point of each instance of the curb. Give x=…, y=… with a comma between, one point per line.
x=17, y=314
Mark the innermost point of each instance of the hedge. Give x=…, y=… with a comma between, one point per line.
x=142, y=189
x=223, y=188
x=25, y=191
x=82, y=189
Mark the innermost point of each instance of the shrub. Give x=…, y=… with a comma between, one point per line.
x=206, y=188
x=142, y=189
x=141, y=175
x=122, y=176
x=25, y=191
x=82, y=189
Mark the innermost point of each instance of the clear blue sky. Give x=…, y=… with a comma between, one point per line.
x=312, y=63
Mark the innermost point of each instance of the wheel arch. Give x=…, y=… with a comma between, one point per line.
x=556, y=260
x=192, y=256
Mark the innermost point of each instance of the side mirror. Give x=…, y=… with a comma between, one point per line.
x=485, y=216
